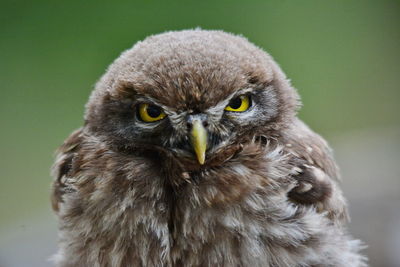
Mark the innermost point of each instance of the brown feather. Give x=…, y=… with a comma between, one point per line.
x=130, y=193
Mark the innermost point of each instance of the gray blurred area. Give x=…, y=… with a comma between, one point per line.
x=371, y=181
x=29, y=243
x=371, y=170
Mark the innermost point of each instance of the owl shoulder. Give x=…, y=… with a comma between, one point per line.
x=303, y=143
x=63, y=166
x=318, y=172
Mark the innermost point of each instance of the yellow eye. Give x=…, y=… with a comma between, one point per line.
x=239, y=104
x=150, y=113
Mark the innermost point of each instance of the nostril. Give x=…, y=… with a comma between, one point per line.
x=198, y=118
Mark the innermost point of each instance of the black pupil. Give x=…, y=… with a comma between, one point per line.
x=236, y=103
x=153, y=111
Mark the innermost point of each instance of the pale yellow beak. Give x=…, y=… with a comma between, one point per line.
x=198, y=138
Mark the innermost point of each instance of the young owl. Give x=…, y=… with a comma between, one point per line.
x=191, y=154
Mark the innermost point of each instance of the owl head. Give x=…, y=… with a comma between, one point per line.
x=194, y=95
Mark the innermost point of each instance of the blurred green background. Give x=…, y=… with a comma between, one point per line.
x=343, y=56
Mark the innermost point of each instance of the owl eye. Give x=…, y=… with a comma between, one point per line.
x=150, y=113
x=239, y=104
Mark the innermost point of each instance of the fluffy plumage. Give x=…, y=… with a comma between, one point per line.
x=131, y=193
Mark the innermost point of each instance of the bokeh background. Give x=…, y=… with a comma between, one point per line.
x=343, y=56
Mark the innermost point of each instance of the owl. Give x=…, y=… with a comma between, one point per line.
x=191, y=154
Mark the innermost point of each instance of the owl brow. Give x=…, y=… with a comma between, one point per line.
x=150, y=100
x=241, y=92
x=222, y=104
x=225, y=102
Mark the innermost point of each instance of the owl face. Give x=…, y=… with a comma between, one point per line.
x=191, y=93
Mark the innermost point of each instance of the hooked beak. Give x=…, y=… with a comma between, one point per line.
x=198, y=139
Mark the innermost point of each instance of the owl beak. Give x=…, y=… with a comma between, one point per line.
x=198, y=138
